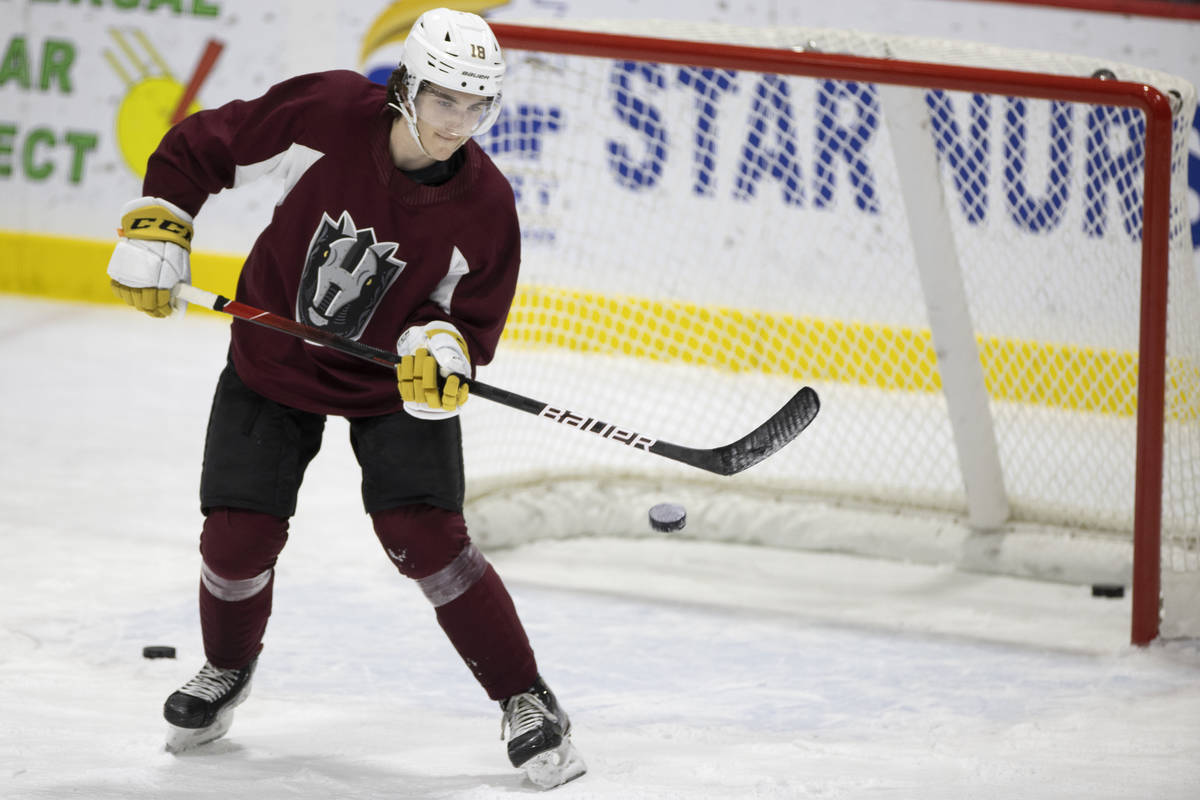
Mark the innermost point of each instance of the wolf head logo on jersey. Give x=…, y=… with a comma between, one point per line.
x=345, y=276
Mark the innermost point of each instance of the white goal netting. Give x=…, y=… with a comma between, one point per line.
x=700, y=241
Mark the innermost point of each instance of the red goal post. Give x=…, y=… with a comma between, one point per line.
x=1160, y=147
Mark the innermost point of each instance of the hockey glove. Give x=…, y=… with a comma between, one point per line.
x=428, y=354
x=152, y=255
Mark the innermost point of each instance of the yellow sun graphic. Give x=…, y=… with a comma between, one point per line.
x=154, y=99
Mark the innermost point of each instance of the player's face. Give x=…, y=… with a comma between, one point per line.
x=446, y=118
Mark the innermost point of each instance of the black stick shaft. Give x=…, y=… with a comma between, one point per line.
x=777, y=431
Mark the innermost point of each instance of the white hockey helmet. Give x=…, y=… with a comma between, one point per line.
x=455, y=50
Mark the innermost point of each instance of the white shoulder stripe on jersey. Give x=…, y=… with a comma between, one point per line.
x=444, y=291
x=289, y=166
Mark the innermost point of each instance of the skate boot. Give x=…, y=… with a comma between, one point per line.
x=539, y=737
x=202, y=710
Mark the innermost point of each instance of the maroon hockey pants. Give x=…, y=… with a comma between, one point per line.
x=425, y=543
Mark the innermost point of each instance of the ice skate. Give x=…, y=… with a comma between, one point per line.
x=539, y=737
x=201, y=710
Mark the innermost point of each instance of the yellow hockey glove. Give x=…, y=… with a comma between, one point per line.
x=152, y=255
x=418, y=376
x=432, y=357
x=155, y=302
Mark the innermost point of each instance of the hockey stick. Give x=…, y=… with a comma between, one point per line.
x=783, y=426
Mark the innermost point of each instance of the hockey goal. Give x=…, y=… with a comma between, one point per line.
x=979, y=257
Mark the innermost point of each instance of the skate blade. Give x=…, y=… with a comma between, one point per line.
x=555, y=767
x=180, y=740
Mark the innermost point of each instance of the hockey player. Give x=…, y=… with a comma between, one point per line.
x=395, y=229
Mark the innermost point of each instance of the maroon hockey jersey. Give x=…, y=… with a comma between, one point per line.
x=354, y=246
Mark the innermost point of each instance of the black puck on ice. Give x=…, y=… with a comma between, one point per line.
x=158, y=651
x=668, y=517
x=1108, y=590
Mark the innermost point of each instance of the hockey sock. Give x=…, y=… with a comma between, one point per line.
x=236, y=581
x=431, y=546
x=483, y=626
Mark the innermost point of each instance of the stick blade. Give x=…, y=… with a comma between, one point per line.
x=784, y=425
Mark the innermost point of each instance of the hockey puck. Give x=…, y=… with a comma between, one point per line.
x=158, y=651
x=1108, y=590
x=668, y=517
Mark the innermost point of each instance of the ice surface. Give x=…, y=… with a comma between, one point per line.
x=691, y=669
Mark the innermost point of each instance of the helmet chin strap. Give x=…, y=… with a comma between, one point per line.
x=412, y=126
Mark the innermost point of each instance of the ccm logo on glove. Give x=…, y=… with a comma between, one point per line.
x=161, y=227
x=152, y=255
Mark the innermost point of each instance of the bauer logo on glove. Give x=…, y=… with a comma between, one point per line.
x=432, y=357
